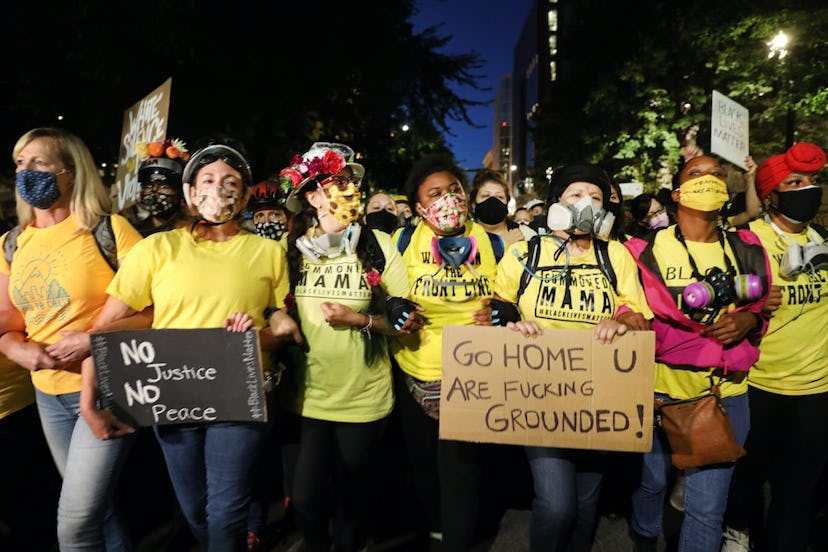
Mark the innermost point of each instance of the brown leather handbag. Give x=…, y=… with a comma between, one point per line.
x=699, y=431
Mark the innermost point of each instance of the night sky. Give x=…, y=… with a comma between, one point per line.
x=491, y=29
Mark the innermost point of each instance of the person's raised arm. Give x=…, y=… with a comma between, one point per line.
x=753, y=206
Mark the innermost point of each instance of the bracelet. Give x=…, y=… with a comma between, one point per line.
x=367, y=328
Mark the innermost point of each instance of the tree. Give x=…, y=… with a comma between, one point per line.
x=633, y=112
x=345, y=71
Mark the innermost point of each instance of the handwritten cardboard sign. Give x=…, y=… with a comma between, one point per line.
x=561, y=389
x=146, y=121
x=729, y=129
x=159, y=377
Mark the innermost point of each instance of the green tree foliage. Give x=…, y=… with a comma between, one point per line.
x=630, y=108
x=277, y=75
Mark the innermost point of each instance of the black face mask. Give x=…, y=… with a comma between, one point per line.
x=491, y=211
x=382, y=220
x=800, y=205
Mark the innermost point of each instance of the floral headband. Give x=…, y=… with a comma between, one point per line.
x=173, y=149
x=301, y=170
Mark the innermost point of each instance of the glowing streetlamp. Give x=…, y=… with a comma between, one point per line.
x=778, y=49
x=778, y=46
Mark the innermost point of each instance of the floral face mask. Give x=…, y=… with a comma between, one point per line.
x=447, y=213
x=217, y=204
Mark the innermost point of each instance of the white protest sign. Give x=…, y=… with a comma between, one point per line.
x=630, y=190
x=729, y=129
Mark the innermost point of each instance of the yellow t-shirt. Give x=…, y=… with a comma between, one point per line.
x=198, y=283
x=57, y=280
x=683, y=382
x=337, y=384
x=578, y=301
x=16, y=391
x=794, y=351
x=449, y=296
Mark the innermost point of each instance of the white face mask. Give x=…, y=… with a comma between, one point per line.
x=581, y=217
x=661, y=220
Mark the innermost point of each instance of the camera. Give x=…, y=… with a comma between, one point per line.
x=719, y=288
x=796, y=259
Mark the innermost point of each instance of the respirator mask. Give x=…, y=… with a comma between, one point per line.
x=580, y=218
x=797, y=258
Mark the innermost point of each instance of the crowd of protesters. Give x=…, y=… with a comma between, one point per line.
x=348, y=361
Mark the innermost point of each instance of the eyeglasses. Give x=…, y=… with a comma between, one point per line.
x=340, y=182
x=656, y=213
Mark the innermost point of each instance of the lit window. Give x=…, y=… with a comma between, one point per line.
x=552, y=17
x=553, y=45
x=553, y=71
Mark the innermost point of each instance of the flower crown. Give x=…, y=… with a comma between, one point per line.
x=300, y=170
x=173, y=149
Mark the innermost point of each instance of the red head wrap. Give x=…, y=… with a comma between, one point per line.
x=803, y=157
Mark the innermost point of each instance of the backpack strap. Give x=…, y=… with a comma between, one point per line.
x=10, y=243
x=821, y=230
x=532, y=259
x=498, y=247
x=404, y=239
x=602, y=255
x=105, y=240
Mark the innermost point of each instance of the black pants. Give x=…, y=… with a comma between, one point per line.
x=447, y=474
x=333, y=455
x=788, y=448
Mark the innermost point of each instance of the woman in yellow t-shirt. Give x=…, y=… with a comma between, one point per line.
x=341, y=274
x=52, y=291
x=567, y=482
x=211, y=274
x=454, y=286
x=788, y=385
x=700, y=338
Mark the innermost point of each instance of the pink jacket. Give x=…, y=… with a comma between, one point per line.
x=678, y=338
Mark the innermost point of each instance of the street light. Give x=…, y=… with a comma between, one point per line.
x=778, y=48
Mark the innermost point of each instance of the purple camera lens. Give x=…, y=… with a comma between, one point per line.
x=748, y=287
x=697, y=295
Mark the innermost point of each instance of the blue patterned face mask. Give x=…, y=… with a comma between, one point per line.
x=37, y=188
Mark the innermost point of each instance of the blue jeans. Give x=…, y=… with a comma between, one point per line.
x=567, y=486
x=705, y=491
x=90, y=469
x=211, y=467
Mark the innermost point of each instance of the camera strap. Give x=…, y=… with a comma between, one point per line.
x=696, y=274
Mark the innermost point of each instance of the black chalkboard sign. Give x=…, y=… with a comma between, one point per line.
x=160, y=377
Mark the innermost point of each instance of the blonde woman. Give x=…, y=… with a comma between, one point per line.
x=54, y=288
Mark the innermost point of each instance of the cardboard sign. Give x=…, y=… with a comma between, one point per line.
x=145, y=121
x=561, y=389
x=729, y=125
x=159, y=377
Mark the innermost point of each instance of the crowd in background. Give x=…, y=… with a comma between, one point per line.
x=349, y=360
